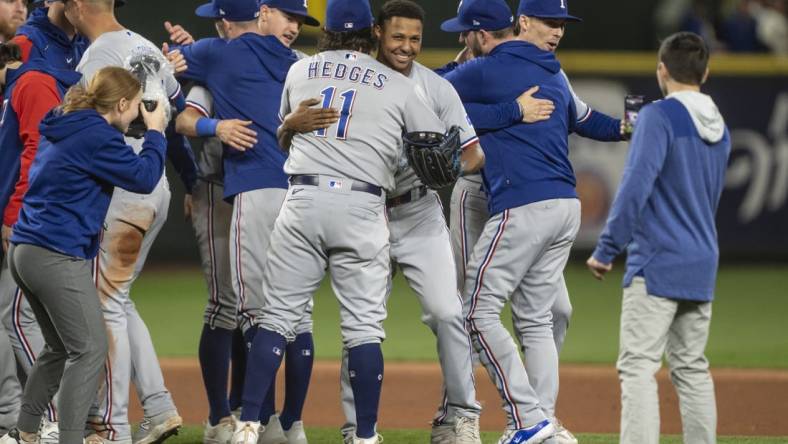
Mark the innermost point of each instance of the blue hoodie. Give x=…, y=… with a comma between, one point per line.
x=80, y=160
x=50, y=43
x=11, y=144
x=246, y=77
x=524, y=163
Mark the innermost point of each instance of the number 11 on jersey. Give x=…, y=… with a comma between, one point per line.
x=348, y=98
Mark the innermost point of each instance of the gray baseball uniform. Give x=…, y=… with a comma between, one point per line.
x=467, y=217
x=211, y=221
x=10, y=390
x=133, y=221
x=420, y=245
x=335, y=195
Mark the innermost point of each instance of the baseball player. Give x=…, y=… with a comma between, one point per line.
x=254, y=180
x=132, y=223
x=337, y=178
x=544, y=28
x=419, y=237
x=48, y=35
x=534, y=211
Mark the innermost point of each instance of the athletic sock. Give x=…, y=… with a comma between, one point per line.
x=365, y=365
x=263, y=361
x=269, y=403
x=240, y=349
x=299, y=358
x=214, y=354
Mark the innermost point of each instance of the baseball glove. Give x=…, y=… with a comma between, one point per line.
x=435, y=157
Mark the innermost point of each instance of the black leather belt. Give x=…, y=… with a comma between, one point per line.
x=314, y=180
x=412, y=195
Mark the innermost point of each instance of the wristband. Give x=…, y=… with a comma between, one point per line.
x=206, y=127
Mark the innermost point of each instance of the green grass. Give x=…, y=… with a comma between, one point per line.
x=190, y=435
x=748, y=324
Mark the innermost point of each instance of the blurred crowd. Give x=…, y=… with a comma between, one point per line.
x=729, y=25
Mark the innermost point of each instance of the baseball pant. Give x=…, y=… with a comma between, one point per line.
x=211, y=221
x=23, y=330
x=63, y=297
x=468, y=214
x=10, y=390
x=651, y=327
x=421, y=247
x=319, y=229
x=521, y=256
x=133, y=221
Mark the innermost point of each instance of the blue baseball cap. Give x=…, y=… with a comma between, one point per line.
x=473, y=15
x=208, y=10
x=237, y=10
x=547, y=9
x=292, y=7
x=348, y=15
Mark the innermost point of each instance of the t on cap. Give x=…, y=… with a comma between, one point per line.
x=473, y=15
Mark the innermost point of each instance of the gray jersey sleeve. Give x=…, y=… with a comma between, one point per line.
x=452, y=112
x=201, y=99
x=582, y=107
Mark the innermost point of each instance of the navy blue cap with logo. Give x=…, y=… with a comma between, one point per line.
x=547, y=9
x=236, y=10
x=473, y=15
x=293, y=7
x=348, y=15
x=208, y=10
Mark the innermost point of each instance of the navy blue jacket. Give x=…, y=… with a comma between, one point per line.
x=246, y=77
x=80, y=160
x=41, y=40
x=663, y=213
x=524, y=163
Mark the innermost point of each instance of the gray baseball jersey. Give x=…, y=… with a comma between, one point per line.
x=210, y=158
x=375, y=102
x=446, y=103
x=133, y=221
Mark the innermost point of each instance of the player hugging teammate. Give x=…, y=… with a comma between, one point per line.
x=301, y=154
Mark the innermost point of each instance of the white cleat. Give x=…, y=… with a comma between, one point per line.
x=272, y=432
x=466, y=430
x=49, y=432
x=377, y=439
x=296, y=434
x=443, y=434
x=221, y=433
x=532, y=435
x=246, y=432
x=562, y=435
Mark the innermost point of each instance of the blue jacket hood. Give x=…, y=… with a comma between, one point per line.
x=527, y=51
x=38, y=21
x=273, y=55
x=57, y=126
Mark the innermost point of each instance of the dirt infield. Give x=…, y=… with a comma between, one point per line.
x=750, y=402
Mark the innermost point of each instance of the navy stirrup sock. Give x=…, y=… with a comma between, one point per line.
x=239, y=351
x=298, y=371
x=263, y=361
x=214, y=354
x=365, y=365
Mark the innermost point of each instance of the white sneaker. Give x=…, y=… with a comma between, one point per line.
x=562, y=435
x=466, y=430
x=49, y=432
x=532, y=435
x=443, y=434
x=272, y=433
x=296, y=434
x=96, y=438
x=221, y=433
x=377, y=439
x=246, y=432
x=156, y=429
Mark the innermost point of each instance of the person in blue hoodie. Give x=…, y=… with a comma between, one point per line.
x=663, y=216
x=533, y=206
x=31, y=91
x=81, y=157
x=48, y=35
x=245, y=76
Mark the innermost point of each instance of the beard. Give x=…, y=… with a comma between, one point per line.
x=7, y=30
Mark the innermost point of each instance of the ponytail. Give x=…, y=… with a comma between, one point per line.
x=104, y=91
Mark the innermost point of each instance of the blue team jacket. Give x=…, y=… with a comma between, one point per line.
x=10, y=144
x=80, y=159
x=663, y=212
x=50, y=43
x=246, y=77
x=524, y=163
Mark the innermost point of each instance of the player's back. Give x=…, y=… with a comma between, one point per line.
x=376, y=105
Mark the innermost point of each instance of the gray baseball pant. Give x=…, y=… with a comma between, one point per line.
x=468, y=214
x=132, y=223
x=64, y=299
x=521, y=256
x=653, y=326
x=10, y=390
x=22, y=329
x=420, y=246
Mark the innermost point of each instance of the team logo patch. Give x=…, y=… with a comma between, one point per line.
x=335, y=184
x=351, y=56
x=277, y=351
x=306, y=352
x=349, y=25
x=476, y=23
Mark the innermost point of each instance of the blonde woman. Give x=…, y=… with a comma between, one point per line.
x=81, y=157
